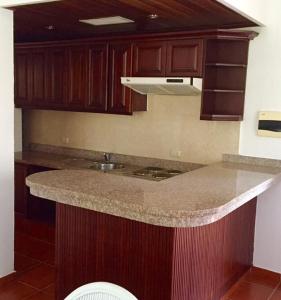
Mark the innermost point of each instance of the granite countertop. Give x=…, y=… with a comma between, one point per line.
x=195, y=198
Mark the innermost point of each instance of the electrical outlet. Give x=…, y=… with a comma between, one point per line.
x=65, y=140
x=176, y=153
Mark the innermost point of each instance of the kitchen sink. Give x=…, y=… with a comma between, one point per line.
x=106, y=166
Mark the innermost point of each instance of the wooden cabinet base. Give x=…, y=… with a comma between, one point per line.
x=150, y=261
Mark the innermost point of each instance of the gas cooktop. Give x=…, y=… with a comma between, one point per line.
x=155, y=173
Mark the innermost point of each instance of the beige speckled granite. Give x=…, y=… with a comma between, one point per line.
x=250, y=160
x=119, y=158
x=192, y=199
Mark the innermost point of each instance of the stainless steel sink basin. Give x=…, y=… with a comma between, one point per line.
x=106, y=166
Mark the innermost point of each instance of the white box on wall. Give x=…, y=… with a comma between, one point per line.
x=269, y=124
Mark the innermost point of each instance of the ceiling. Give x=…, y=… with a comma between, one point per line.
x=62, y=18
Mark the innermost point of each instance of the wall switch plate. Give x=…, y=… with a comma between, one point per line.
x=176, y=153
x=269, y=124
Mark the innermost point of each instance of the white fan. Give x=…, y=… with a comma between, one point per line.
x=100, y=291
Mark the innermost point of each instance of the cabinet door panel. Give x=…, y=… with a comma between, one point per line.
x=22, y=77
x=149, y=59
x=21, y=190
x=120, y=65
x=98, y=78
x=38, y=69
x=184, y=58
x=78, y=77
x=56, y=77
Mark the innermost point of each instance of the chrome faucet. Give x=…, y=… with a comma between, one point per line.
x=107, y=157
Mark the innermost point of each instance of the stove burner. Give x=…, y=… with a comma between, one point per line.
x=174, y=172
x=161, y=176
x=156, y=173
x=141, y=173
x=153, y=169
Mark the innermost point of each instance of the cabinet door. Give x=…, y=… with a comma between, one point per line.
x=78, y=77
x=185, y=58
x=97, y=101
x=38, y=73
x=149, y=59
x=21, y=190
x=56, y=81
x=22, y=58
x=39, y=208
x=120, y=64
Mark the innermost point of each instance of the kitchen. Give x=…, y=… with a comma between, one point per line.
x=171, y=129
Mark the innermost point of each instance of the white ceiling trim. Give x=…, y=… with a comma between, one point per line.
x=245, y=8
x=8, y=3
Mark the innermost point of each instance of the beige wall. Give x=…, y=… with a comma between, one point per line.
x=171, y=124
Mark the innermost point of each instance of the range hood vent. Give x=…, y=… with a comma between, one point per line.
x=164, y=86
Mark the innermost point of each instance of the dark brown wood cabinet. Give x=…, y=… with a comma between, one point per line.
x=77, y=77
x=38, y=77
x=185, y=58
x=153, y=262
x=171, y=58
x=98, y=74
x=120, y=65
x=22, y=62
x=149, y=58
x=27, y=204
x=21, y=190
x=56, y=77
x=85, y=75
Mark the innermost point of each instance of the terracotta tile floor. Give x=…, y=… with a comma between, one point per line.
x=34, y=262
x=257, y=284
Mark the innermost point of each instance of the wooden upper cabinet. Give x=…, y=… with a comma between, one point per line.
x=185, y=58
x=98, y=77
x=85, y=75
x=120, y=65
x=77, y=77
x=22, y=58
x=56, y=77
x=38, y=79
x=149, y=59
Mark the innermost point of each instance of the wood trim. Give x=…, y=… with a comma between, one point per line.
x=205, y=34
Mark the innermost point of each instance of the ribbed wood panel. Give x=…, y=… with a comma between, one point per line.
x=153, y=262
x=98, y=247
x=207, y=260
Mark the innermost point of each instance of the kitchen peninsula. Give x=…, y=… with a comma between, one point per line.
x=187, y=237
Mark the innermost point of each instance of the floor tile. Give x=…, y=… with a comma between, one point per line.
x=40, y=277
x=250, y=291
x=50, y=290
x=34, y=248
x=263, y=277
x=41, y=231
x=24, y=263
x=16, y=291
x=41, y=296
x=277, y=294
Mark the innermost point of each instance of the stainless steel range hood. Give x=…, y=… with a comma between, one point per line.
x=164, y=86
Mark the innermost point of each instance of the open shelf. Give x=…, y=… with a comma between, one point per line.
x=213, y=117
x=226, y=65
x=224, y=80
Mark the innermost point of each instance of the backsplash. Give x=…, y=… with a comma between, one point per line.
x=170, y=125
